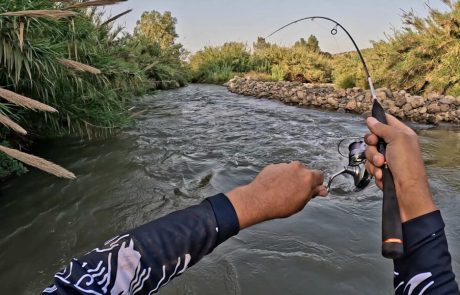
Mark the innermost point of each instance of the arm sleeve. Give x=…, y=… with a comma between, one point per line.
x=426, y=265
x=147, y=258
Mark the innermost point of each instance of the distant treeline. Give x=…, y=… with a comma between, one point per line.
x=421, y=57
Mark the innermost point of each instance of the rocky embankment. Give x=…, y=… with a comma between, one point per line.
x=434, y=108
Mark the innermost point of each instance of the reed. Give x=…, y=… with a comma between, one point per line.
x=25, y=102
x=56, y=14
x=79, y=66
x=38, y=162
x=11, y=124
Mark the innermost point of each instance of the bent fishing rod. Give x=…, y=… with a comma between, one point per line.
x=392, y=241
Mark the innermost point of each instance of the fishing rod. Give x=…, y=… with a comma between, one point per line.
x=392, y=241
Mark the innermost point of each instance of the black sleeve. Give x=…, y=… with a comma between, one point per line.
x=147, y=258
x=426, y=265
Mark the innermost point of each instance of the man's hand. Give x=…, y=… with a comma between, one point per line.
x=278, y=191
x=404, y=159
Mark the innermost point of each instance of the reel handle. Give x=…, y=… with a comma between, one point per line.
x=392, y=239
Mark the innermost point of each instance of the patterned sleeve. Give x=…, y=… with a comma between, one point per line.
x=147, y=258
x=426, y=266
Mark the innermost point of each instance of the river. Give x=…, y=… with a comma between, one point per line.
x=194, y=142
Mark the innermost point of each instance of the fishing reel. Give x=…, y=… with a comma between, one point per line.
x=356, y=165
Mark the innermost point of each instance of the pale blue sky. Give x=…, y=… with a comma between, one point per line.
x=212, y=22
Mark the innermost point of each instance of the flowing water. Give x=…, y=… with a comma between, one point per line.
x=191, y=143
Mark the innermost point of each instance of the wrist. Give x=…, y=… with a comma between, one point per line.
x=415, y=199
x=245, y=205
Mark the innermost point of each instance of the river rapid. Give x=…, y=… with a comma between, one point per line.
x=196, y=141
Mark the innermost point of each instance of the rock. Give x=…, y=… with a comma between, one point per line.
x=416, y=101
x=402, y=92
x=400, y=101
x=457, y=101
x=445, y=107
x=433, y=96
x=433, y=108
x=407, y=107
x=382, y=95
x=301, y=94
x=388, y=104
x=447, y=100
x=360, y=98
x=394, y=110
x=387, y=92
x=351, y=105
x=333, y=102
x=422, y=110
x=432, y=119
x=366, y=114
x=458, y=114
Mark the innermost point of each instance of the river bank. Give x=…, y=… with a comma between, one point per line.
x=432, y=109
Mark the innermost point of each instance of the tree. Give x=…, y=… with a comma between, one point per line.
x=311, y=44
x=301, y=42
x=157, y=28
x=261, y=43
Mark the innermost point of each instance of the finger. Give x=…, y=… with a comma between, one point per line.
x=392, y=121
x=371, y=139
x=379, y=183
x=381, y=130
x=320, y=191
x=373, y=156
x=317, y=177
x=374, y=171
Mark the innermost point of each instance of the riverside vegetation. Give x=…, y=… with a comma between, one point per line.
x=420, y=58
x=65, y=69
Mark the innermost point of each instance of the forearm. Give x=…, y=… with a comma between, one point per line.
x=426, y=266
x=147, y=258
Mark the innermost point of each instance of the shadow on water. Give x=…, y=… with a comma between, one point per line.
x=197, y=141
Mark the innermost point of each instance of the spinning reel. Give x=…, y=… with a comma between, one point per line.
x=356, y=166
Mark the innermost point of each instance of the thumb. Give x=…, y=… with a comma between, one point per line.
x=381, y=130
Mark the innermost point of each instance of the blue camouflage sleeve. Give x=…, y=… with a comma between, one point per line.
x=149, y=257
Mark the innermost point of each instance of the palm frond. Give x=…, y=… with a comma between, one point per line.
x=116, y=17
x=94, y=3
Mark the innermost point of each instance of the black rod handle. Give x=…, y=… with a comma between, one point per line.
x=392, y=240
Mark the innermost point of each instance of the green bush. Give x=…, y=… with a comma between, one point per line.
x=346, y=81
x=277, y=73
x=220, y=63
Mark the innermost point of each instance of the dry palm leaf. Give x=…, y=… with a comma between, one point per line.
x=79, y=66
x=94, y=3
x=25, y=102
x=41, y=13
x=116, y=17
x=21, y=35
x=11, y=124
x=39, y=163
